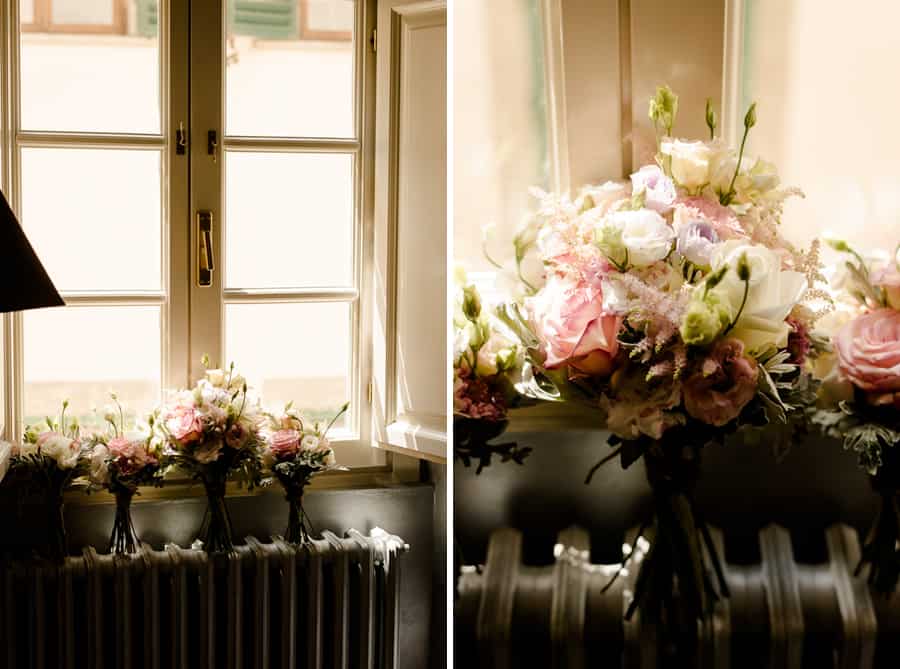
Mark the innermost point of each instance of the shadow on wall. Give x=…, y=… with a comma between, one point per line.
x=742, y=490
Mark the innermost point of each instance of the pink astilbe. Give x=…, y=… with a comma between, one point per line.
x=656, y=313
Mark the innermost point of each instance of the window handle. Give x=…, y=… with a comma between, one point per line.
x=212, y=144
x=205, y=263
x=180, y=139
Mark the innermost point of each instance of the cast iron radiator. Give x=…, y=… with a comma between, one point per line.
x=332, y=604
x=781, y=614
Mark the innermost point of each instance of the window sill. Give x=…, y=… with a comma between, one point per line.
x=554, y=417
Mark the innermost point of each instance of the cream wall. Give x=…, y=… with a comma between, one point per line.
x=825, y=78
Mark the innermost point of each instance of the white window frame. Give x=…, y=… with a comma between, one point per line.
x=193, y=317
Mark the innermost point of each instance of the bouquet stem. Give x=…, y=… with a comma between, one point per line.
x=215, y=533
x=299, y=529
x=880, y=550
x=674, y=588
x=123, y=538
x=57, y=543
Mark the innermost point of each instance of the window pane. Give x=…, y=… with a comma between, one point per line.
x=26, y=11
x=290, y=68
x=104, y=77
x=94, y=216
x=289, y=220
x=83, y=353
x=83, y=12
x=298, y=352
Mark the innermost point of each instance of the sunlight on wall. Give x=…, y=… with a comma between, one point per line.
x=824, y=77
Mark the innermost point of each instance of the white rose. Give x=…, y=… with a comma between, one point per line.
x=216, y=377
x=690, y=162
x=62, y=449
x=772, y=294
x=645, y=234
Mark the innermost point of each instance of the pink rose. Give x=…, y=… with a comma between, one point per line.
x=575, y=329
x=868, y=349
x=131, y=455
x=184, y=424
x=284, y=443
x=724, y=384
x=888, y=277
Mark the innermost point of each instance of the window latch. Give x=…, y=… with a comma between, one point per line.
x=212, y=144
x=205, y=264
x=180, y=139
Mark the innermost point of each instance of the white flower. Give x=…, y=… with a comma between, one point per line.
x=658, y=189
x=690, y=162
x=489, y=357
x=216, y=377
x=309, y=443
x=603, y=196
x=99, y=472
x=60, y=448
x=645, y=235
x=772, y=293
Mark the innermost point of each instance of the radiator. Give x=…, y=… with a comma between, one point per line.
x=781, y=614
x=332, y=604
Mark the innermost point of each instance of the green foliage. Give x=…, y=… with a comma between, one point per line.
x=863, y=429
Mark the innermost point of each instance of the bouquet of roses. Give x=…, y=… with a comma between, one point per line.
x=52, y=455
x=294, y=451
x=121, y=462
x=675, y=308
x=486, y=362
x=861, y=395
x=211, y=432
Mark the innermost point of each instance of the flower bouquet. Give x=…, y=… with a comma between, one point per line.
x=121, y=462
x=52, y=455
x=211, y=432
x=861, y=396
x=485, y=362
x=676, y=310
x=294, y=452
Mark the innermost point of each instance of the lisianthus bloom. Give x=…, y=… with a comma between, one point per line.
x=696, y=241
x=658, y=189
x=706, y=316
x=638, y=238
x=772, y=293
x=689, y=162
x=888, y=278
x=57, y=446
x=868, y=349
x=722, y=385
x=569, y=318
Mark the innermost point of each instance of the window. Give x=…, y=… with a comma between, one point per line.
x=99, y=149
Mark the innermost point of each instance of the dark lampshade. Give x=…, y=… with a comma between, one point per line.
x=24, y=283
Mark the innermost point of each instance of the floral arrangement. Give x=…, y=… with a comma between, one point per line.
x=212, y=432
x=53, y=452
x=675, y=308
x=294, y=451
x=860, y=394
x=486, y=363
x=120, y=463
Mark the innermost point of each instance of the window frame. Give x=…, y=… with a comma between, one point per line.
x=307, y=33
x=193, y=323
x=43, y=21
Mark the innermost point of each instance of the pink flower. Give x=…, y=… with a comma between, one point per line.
x=724, y=384
x=476, y=398
x=184, y=424
x=868, y=349
x=888, y=277
x=236, y=437
x=208, y=452
x=574, y=327
x=284, y=443
x=659, y=191
x=131, y=455
x=722, y=219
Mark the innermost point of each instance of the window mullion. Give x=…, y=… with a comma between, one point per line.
x=207, y=113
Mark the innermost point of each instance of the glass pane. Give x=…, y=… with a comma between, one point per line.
x=83, y=12
x=94, y=216
x=298, y=352
x=104, y=80
x=83, y=353
x=290, y=68
x=26, y=11
x=289, y=220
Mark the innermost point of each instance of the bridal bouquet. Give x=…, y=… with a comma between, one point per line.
x=294, y=451
x=861, y=395
x=120, y=462
x=54, y=455
x=486, y=362
x=674, y=307
x=211, y=432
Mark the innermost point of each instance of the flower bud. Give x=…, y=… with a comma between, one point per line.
x=750, y=118
x=743, y=268
x=471, y=305
x=710, y=117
